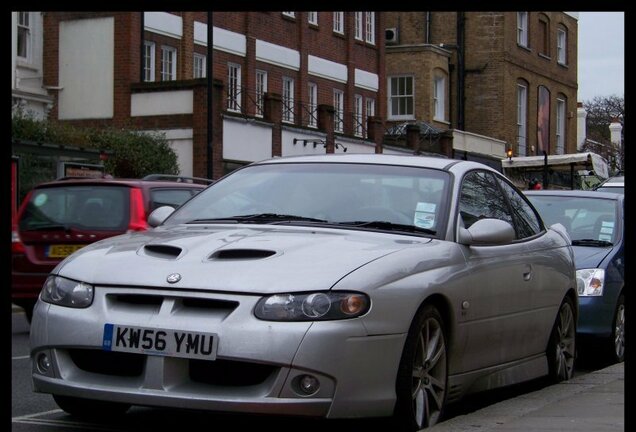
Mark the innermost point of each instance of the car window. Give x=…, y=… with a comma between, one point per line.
x=584, y=218
x=481, y=198
x=336, y=193
x=84, y=207
x=170, y=197
x=527, y=224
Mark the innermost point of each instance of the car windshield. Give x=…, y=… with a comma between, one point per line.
x=589, y=221
x=392, y=197
x=80, y=207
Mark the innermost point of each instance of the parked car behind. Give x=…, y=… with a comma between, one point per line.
x=613, y=184
x=59, y=217
x=595, y=223
x=333, y=285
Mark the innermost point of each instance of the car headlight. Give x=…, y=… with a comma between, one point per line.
x=589, y=282
x=316, y=306
x=66, y=292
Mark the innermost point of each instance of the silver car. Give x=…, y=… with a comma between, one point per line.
x=331, y=286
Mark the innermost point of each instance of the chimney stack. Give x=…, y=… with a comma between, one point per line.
x=581, y=128
x=615, y=128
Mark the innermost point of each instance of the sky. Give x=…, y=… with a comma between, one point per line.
x=601, y=55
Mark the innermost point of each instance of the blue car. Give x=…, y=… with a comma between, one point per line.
x=595, y=223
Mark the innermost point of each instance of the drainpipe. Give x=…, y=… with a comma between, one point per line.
x=141, y=48
x=209, y=113
x=428, y=28
x=460, y=70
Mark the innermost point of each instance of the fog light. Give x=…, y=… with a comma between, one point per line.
x=308, y=384
x=43, y=363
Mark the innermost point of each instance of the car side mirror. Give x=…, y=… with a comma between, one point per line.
x=486, y=232
x=159, y=215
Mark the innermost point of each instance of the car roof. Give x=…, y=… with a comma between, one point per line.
x=576, y=193
x=435, y=162
x=118, y=181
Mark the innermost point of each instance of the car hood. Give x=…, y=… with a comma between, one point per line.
x=254, y=259
x=589, y=257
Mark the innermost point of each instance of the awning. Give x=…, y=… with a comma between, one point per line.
x=563, y=162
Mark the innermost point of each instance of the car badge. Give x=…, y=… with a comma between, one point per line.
x=173, y=278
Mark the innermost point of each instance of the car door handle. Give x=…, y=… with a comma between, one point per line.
x=527, y=275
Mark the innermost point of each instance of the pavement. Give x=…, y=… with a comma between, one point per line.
x=591, y=402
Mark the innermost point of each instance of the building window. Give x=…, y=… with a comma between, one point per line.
x=439, y=96
x=370, y=113
x=357, y=116
x=560, y=126
x=290, y=14
x=149, y=61
x=543, y=120
x=561, y=46
x=234, y=87
x=288, y=99
x=544, y=28
x=370, y=27
x=261, y=89
x=24, y=35
x=338, y=22
x=522, y=28
x=358, y=27
x=522, y=116
x=312, y=18
x=338, y=105
x=168, y=63
x=401, y=97
x=313, y=105
x=198, y=68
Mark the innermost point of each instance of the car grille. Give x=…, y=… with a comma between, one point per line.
x=228, y=373
x=151, y=303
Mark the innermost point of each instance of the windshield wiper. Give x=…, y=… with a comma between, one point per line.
x=270, y=218
x=591, y=242
x=390, y=226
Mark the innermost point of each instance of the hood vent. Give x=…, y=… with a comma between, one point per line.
x=241, y=254
x=163, y=251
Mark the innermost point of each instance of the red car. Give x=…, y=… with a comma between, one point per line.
x=59, y=217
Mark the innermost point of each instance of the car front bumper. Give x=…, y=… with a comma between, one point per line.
x=257, y=368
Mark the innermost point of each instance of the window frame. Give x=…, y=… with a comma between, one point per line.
x=288, y=100
x=522, y=119
x=202, y=60
x=338, y=115
x=369, y=35
x=171, y=63
x=391, y=96
x=369, y=112
x=561, y=108
x=312, y=18
x=358, y=127
x=562, y=43
x=312, y=105
x=27, y=33
x=338, y=22
x=150, y=74
x=358, y=29
x=233, y=87
x=522, y=29
x=439, y=100
x=260, y=90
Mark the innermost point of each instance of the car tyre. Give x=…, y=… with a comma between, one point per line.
x=89, y=408
x=561, y=350
x=423, y=372
x=616, y=343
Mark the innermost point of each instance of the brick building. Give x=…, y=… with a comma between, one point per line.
x=282, y=82
x=507, y=76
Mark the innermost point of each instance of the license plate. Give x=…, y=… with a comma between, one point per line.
x=62, y=251
x=163, y=342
